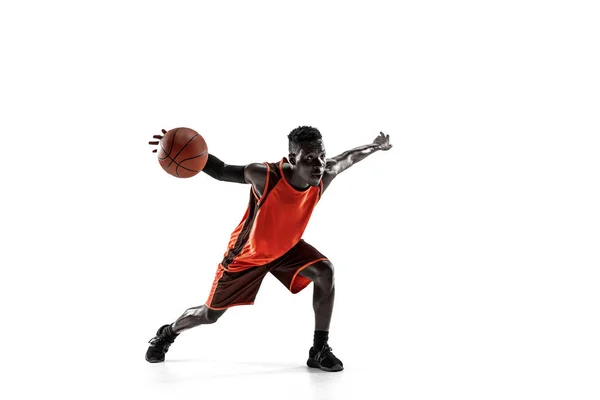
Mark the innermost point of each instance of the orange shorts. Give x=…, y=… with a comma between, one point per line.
x=240, y=288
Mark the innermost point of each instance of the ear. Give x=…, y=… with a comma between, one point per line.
x=292, y=158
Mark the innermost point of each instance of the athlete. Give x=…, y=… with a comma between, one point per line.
x=269, y=239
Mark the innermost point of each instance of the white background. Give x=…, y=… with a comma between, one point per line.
x=466, y=257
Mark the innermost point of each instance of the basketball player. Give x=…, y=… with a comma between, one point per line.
x=269, y=238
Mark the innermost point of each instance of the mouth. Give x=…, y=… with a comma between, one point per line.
x=317, y=176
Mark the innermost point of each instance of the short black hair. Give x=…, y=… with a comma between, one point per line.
x=302, y=134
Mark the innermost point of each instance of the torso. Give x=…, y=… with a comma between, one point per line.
x=274, y=222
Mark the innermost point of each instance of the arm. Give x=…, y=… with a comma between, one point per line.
x=342, y=162
x=348, y=158
x=220, y=171
x=254, y=174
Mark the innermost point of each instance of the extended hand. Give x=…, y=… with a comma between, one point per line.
x=383, y=141
x=155, y=143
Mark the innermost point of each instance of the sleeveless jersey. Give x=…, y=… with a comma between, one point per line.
x=273, y=223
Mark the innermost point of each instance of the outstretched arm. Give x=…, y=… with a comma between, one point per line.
x=342, y=162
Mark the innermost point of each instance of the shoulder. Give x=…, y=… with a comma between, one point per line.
x=331, y=171
x=285, y=166
x=255, y=172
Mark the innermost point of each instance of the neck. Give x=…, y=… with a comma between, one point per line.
x=295, y=180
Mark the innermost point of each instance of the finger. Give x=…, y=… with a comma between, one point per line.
x=153, y=143
x=163, y=131
x=157, y=137
x=388, y=137
x=154, y=151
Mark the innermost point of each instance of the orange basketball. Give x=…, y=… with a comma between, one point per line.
x=182, y=152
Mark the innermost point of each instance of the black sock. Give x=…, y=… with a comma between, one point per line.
x=320, y=339
x=170, y=332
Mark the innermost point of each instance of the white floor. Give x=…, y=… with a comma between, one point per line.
x=431, y=353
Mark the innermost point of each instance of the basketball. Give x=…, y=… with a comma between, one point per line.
x=182, y=152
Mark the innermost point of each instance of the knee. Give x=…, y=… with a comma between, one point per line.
x=213, y=316
x=324, y=274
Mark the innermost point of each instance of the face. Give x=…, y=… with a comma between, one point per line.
x=310, y=162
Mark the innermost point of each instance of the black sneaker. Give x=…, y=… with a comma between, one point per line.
x=159, y=345
x=324, y=359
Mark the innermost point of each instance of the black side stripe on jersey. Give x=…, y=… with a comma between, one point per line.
x=244, y=233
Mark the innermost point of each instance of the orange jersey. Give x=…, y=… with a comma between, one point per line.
x=273, y=223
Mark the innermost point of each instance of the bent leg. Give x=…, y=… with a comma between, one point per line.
x=322, y=276
x=320, y=355
x=299, y=267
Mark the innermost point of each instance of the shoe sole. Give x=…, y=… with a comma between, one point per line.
x=154, y=361
x=313, y=364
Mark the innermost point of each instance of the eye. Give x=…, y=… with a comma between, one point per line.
x=309, y=158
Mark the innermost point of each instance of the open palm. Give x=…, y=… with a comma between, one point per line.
x=383, y=141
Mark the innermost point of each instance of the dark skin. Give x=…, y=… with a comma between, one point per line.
x=307, y=167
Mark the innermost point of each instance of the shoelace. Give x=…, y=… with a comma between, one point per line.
x=158, y=339
x=324, y=353
x=154, y=340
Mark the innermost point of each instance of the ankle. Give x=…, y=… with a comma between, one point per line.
x=170, y=332
x=320, y=339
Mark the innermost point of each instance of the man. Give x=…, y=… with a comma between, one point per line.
x=269, y=239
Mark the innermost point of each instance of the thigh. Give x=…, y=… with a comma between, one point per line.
x=235, y=288
x=288, y=268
